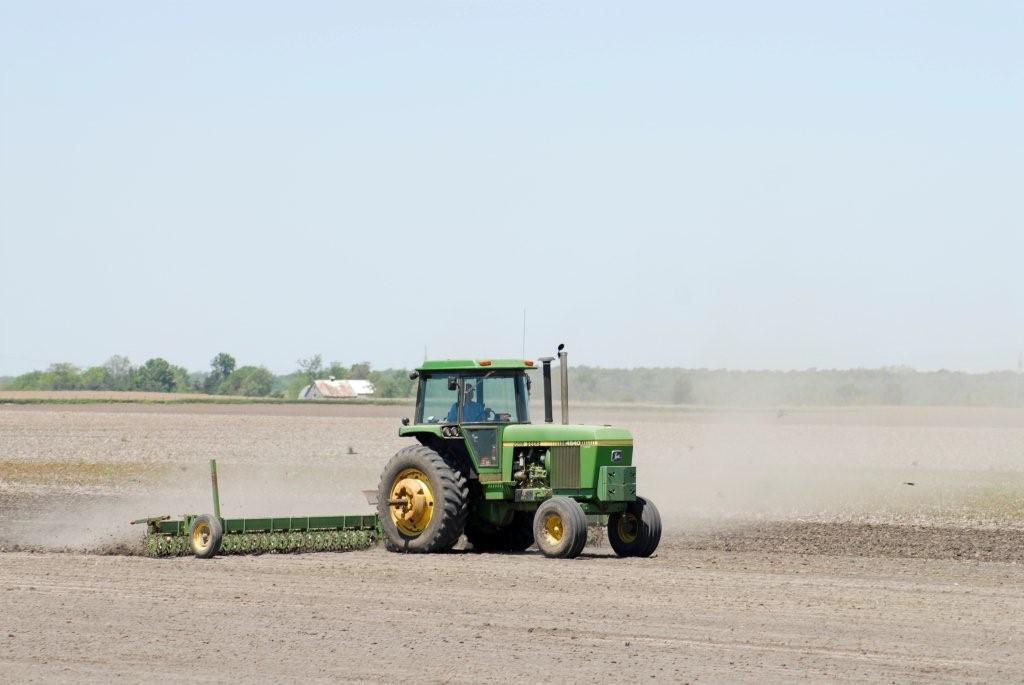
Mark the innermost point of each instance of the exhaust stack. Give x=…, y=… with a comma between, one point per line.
x=546, y=363
x=564, y=368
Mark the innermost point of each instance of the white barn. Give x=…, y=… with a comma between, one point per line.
x=332, y=389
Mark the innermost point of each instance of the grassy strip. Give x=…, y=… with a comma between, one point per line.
x=78, y=473
x=193, y=400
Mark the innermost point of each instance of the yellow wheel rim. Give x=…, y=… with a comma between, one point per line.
x=554, y=529
x=201, y=536
x=627, y=528
x=412, y=501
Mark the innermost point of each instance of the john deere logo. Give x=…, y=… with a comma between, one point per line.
x=616, y=455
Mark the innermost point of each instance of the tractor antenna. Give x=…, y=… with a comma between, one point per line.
x=563, y=363
x=524, y=331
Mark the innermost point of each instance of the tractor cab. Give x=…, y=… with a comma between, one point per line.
x=495, y=393
x=475, y=400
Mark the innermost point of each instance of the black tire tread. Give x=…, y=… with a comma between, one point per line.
x=582, y=529
x=648, y=535
x=454, y=493
x=652, y=519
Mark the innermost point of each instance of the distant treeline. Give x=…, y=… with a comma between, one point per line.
x=711, y=387
x=721, y=387
x=225, y=377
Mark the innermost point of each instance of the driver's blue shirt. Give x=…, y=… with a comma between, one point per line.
x=471, y=412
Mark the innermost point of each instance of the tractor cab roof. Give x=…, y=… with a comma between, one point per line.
x=470, y=365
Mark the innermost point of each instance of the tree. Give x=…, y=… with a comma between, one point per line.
x=221, y=367
x=847, y=393
x=121, y=372
x=64, y=376
x=392, y=383
x=360, y=371
x=156, y=375
x=312, y=367
x=97, y=378
x=294, y=384
x=33, y=380
x=336, y=369
x=892, y=393
x=223, y=364
x=682, y=391
x=182, y=379
x=257, y=383
x=251, y=381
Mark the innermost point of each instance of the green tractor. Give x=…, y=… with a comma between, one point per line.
x=480, y=468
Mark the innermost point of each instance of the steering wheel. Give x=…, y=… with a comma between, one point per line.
x=489, y=414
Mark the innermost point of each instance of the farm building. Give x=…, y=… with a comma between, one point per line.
x=332, y=389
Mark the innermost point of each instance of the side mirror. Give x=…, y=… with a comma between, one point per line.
x=453, y=383
x=414, y=375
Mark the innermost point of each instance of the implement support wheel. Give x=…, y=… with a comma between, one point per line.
x=205, y=536
x=560, y=528
x=635, y=532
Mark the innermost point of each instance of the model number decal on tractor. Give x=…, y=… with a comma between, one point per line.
x=569, y=443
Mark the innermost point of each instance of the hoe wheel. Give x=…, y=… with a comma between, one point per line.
x=422, y=501
x=560, y=528
x=205, y=536
x=515, y=537
x=635, y=532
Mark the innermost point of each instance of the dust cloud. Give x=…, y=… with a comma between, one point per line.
x=78, y=486
x=100, y=522
x=911, y=465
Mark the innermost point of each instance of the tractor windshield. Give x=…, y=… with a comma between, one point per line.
x=494, y=398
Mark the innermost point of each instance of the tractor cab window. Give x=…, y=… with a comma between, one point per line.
x=493, y=398
x=436, y=399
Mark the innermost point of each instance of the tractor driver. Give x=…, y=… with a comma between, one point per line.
x=472, y=411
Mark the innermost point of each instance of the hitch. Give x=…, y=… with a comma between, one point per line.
x=152, y=523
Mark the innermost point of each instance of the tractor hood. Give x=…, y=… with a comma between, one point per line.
x=556, y=432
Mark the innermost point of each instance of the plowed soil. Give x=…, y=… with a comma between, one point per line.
x=829, y=545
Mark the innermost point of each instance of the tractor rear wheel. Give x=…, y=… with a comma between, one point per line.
x=635, y=532
x=205, y=536
x=422, y=501
x=515, y=537
x=560, y=528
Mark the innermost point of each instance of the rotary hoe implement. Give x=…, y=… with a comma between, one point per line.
x=206, y=535
x=479, y=468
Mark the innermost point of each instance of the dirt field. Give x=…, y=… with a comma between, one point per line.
x=861, y=544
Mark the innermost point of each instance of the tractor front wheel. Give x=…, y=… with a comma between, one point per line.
x=560, y=528
x=635, y=532
x=421, y=501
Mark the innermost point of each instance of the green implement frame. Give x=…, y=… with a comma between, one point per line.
x=282, y=534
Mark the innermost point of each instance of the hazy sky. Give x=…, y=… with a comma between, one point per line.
x=747, y=185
